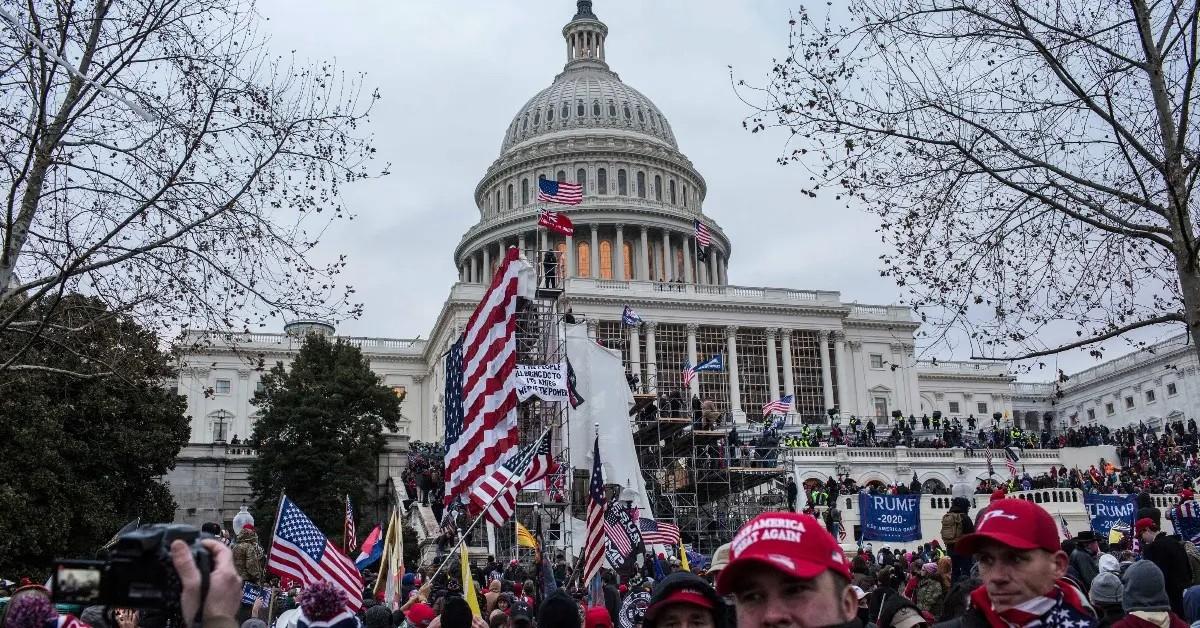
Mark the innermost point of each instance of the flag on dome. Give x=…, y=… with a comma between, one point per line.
x=559, y=192
x=629, y=317
x=779, y=406
x=557, y=222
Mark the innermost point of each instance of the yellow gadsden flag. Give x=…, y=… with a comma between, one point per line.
x=468, y=582
x=683, y=561
x=524, y=538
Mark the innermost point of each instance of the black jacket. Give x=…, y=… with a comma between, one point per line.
x=1168, y=553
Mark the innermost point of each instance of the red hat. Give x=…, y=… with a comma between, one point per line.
x=1143, y=524
x=999, y=494
x=790, y=542
x=249, y=526
x=1186, y=494
x=680, y=596
x=1017, y=523
x=420, y=614
x=597, y=617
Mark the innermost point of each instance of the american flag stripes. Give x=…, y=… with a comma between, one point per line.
x=703, y=235
x=1186, y=518
x=300, y=551
x=1011, y=457
x=617, y=536
x=349, y=535
x=987, y=453
x=559, y=192
x=496, y=494
x=594, y=545
x=779, y=406
x=689, y=373
x=663, y=532
x=480, y=394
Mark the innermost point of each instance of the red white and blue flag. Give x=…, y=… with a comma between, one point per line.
x=557, y=222
x=658, y=532
x=496, y=495
x=480, y=393
x=595, y=546
x=779, y=406
x=559, y=192
x=299, y=550
x=372, y=549
x=689, y=373
x=703, y=235
x=349, y=534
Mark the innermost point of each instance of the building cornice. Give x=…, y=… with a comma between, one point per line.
x=649, y=303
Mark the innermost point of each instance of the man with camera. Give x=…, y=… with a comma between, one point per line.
x=217, y=608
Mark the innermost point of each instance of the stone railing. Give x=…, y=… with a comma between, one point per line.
x=965, y=368
x=664, y=289
x=880, y=312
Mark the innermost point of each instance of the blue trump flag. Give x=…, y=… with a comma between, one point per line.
x=890, y=517
x=1105, y=511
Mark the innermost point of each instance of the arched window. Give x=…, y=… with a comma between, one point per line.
x=561, y=247
x=566, y=111
x=537, y=117
x=657, y=188
x=641, y=118
x=541, y=177
x=561, y=176
x=685, y=194
x=549, y=115
x=509, y=204
x=628, y=114
x=672, y=189
x=497, y=205
x=612, y=109
x=525, y=123
x=641, y=184
x=678, y=271
x=524, y=191
x=627, y=256
x=596, y=108
x=622, y=183
x=579, y=109
x=602, y=181
x=584, y=259
x=606, y=260
x=581, y=178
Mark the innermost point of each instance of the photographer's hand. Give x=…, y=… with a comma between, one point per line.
x=224, y=585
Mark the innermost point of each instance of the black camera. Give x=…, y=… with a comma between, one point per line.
x=137, y=572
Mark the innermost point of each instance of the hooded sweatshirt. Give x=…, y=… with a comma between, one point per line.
x=1145, y=599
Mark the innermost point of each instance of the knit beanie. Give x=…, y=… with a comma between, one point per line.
x=559, y=611
x=1145, y=588
x=1106, y=589
x=323, y=605
x=1191, y=604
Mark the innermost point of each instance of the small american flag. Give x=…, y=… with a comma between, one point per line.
x=703, y=235
x=779, y=406
x=300, y=551
x=559, y=192
x=987, y=453
x=661, y=532
x=349, y=534
x=617, y=536
x=1011, y=457
x=594, y=546
x=496, y=494
x=1066, y=532
x=689, y=373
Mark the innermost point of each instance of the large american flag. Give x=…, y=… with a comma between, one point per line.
x=779, y=406
x=480, y=394
x=301, y=552
x=349, y=534
x=658, y=532
x=594, y=545
x=703, y=235
x=559, y=192
x=496, y=494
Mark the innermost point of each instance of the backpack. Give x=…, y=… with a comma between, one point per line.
x=952, y=527
x=1193, y=555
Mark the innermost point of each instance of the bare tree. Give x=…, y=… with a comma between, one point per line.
x=1033, y=163
x=155, y=155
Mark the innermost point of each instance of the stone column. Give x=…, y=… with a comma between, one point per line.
x=544, y=239
x=635, y=360
x=644, y=262
x=619, y=254
x=772, y=366
x=826, y=374
x=668, y=259
x=789, y=387
x=712, y=266
x=570, y=255
x=487, y=261
x=843, y=378
x=595, y=252
x=723, y=269
x=735, y=388
x=651, y=356
x=475, y=274
x=688, y=277
x=593, y=328
x=521, y=245
x=897, y=359
x=692, y=357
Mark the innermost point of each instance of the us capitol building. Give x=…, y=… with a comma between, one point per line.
x=633, y=245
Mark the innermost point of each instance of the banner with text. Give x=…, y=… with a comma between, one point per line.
x=624, y=535
x=890, y=517
x=547, y=382
x=1105, y=511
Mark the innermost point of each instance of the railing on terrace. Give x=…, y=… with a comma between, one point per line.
x=663, y=288
x=965, y=368
x=265, y=338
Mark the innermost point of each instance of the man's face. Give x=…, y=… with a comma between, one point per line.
x=685, y=616
x=1014, y=576
x=768, y=597
x=1093, y=548
x=1147, y=536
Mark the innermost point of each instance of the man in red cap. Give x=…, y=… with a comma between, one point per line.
x=1022, y=565
x=785, y=569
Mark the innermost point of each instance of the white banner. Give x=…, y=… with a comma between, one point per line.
x=547, y=382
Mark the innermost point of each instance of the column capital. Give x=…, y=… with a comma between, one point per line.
x=592, y=325
x=619, y=225
x=645, y=228
x=243, y=373
x=823, y=334
x=731, y=331
x=418, y=378
x=650, y=325
x=785, y=333
x=839, y=335
x=692, y=327
x=854, y=345
x=772, y=332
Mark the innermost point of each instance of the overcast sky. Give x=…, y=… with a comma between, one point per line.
x=453, y=72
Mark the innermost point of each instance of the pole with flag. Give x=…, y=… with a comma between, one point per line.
x=349, y=535
x=468, y=581
x=595, y=544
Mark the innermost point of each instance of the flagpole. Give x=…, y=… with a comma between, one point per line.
x=463, y=537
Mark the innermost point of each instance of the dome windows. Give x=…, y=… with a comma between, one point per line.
x=524, y=192
x=561, y=177
x=641, y=184
x=579, y=110
x=628, y=114
x=606, y=260
x=622, y=183
x=602, y=181
x=584, y=252
x=566, y=111
x=672, y=190
x=510, y=196
x=581, y=178
x=612, y=109
x=537, y=117
x=525, y=124
x=549, y=114
x=657, y=188
x=685, y=195
x=641, y=117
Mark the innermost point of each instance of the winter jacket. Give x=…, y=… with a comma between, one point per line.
x=248, y=557
x=1169, y=554
x=1133, y=621
x=1084, y=567
x=930, y=595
